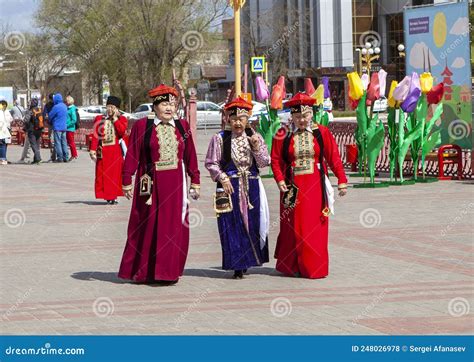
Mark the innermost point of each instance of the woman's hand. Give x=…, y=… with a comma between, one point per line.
x=254, y=142
x=282, y=186
x=342, y=191
x=128, y=192
x=93, y=156
x=227, y=186
x=194, y=193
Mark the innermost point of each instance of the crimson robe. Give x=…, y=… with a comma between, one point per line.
x=158, y=234
x=108, y=169
x=302, y=245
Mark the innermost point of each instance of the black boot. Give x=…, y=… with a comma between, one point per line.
x=166, y=283
x=238, y=274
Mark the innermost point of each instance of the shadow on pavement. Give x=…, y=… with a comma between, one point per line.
x=87, y=202
x=218, y=273
x=102, y=276
x=213, y=272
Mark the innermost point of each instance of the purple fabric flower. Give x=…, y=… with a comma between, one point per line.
x=409, y=104
x=325, y=82
x=401, y=90
x=262, y=92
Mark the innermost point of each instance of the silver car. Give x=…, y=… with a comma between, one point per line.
x=208, y=115
x=143, y=110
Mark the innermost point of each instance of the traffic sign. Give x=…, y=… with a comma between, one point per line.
x=257, y=64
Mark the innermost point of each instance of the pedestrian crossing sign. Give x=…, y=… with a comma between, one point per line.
x=258, y=64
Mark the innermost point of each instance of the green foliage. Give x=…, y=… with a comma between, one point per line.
x=135, y=44
x=267, y=127
x=393, y=137
x=430, y=141
x=413, y=132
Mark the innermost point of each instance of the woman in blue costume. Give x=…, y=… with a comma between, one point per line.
x=233, y=159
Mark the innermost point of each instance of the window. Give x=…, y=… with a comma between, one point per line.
x=201, y=106
x=142, y=108
x=212, y=107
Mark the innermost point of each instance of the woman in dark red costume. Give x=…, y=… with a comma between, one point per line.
x=161, y=152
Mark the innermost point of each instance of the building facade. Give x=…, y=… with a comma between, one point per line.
x=301, y=38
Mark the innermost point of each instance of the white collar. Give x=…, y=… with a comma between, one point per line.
x=157, y=121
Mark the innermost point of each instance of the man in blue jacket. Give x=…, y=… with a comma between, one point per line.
x=58, y=119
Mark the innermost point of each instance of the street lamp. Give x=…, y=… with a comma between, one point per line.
x=367, y=55
x=28, y=92
x=401, y=54
x=401, y=50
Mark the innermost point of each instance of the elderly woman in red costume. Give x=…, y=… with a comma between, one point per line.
x=161, y=152
x=106, y=152
x=233, y=159
x=299, y=157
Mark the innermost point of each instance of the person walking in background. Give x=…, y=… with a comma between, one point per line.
x=34, y=124
x=18, y=113
x=71, y=126
x=107, y=153
x=58, y=118
x=47, y=108
x=5, y=135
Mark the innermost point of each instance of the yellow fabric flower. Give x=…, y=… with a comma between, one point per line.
x=355, y=86
x=391, y=101
x=319, y=95
x=426, y=82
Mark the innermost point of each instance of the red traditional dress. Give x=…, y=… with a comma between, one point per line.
x=105, y=145
x=302, y=245
x=158, y=231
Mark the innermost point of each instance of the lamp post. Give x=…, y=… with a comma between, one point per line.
x=401, y=54
x=28, y=92
x=367, y=55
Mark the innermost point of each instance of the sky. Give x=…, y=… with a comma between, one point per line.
x=18, y=14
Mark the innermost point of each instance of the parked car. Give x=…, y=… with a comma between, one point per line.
x=143, y=110
x=257, y=110
x=381, y=105
x=88, y=113
x=208, y=115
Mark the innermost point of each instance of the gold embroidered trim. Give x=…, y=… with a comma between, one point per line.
x=109, y=133
x=304, y=153
x=168, y=147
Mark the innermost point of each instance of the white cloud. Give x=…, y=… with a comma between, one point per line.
x=416, y=56
x=460, y=27
x=458, y=63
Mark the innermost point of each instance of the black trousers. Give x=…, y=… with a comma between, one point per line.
x=35, y=142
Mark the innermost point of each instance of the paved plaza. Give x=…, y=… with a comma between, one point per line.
x=401, y=262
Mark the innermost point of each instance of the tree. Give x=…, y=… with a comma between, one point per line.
x=135, y=44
